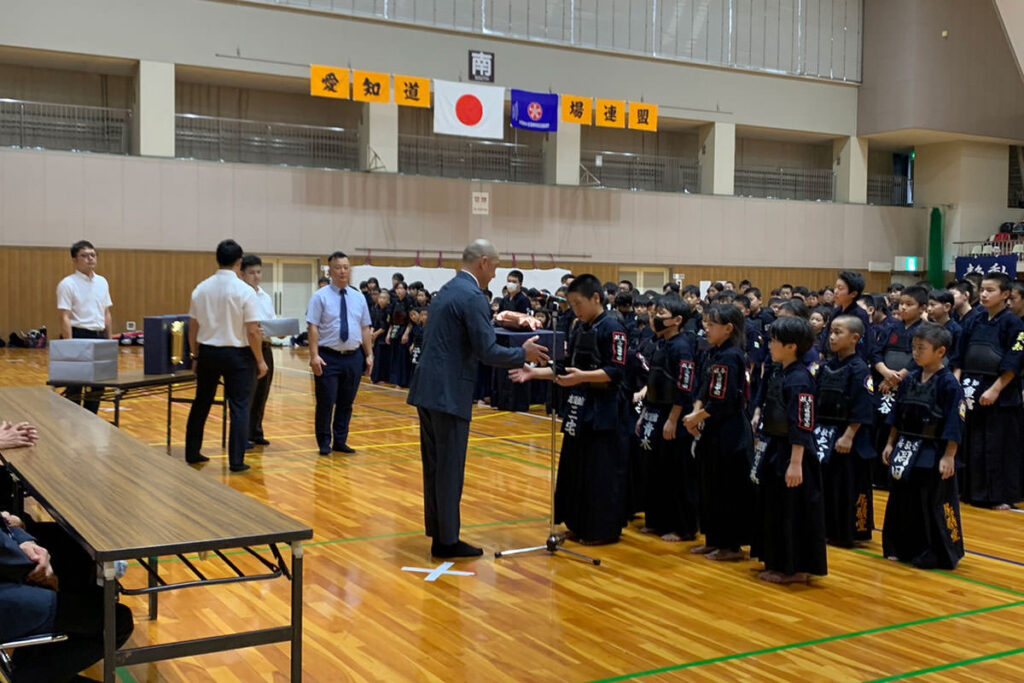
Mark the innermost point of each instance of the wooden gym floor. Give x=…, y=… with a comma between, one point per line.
x=650, y=612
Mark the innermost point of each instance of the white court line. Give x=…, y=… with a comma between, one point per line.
x=438, y=572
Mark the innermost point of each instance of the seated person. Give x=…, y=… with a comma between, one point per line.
x=40, y=597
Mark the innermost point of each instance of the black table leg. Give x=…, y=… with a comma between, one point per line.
x=109, y=624
x=154, y=562
x=170, y=400
x=117, y=409
x=296, y=612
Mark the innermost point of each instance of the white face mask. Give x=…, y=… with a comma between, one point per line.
x=512, y=287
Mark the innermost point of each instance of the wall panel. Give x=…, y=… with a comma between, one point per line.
x=146, y=282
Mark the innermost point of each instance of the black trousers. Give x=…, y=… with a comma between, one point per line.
x=336, y=391
x=443, y=442
x=74, y=394
x=79, y=615
x=260, y=392
x=235, y=366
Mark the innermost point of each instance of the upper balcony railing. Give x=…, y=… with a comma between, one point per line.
x=259, y=142
x=784, y=183
x=43, y=125
x=452, y=157
x=640, y=171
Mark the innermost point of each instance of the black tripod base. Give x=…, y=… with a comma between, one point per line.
x=553, y=545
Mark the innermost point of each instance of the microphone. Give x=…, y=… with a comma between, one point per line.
x=544, y=296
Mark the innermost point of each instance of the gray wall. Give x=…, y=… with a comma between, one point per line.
x=54, y=198
x=914, y=78
x=195, y=32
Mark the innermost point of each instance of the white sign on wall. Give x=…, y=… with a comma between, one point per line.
x=481, y=203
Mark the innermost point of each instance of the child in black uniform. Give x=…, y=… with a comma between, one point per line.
x=417, y=317
x=590, y=488
x=988, y=363
x=790, y=538
x=725, y=442
x=672, y=482
x=380, y=315
x=846, y=411
x=922, y=517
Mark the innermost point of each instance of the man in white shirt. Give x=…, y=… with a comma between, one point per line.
x=252, y=273
x=340, y=351
x=83, y=299
x=225, y=339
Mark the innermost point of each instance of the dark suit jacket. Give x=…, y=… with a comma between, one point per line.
x=26, y=610
x=458, y=337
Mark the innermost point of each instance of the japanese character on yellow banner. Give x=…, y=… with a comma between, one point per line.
x=611, y=113
x=577, y=109
x=371, y=87
x=643, y=116
x=328, y=81
x=412, y=92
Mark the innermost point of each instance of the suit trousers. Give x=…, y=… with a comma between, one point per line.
x=74, y=394
x=235, y=366
x=260, y=392
x=336, y=390
x=443, y=441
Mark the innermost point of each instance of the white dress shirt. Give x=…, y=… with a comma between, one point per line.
x=87, y=298
x=266, y=306
x=223, y=303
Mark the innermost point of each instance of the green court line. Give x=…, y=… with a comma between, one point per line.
x=1010, y=591
x=510, y=457
x=810, y=643
x=125, y=675
x=954, y=665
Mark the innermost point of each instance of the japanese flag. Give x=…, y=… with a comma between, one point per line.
x=468, y=109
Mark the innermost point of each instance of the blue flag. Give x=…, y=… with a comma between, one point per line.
x=534, y=111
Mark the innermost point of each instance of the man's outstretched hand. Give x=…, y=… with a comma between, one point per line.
x=535, y=353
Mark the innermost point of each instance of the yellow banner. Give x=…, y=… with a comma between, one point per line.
x=643, y=116
x=328, y=81
x=412, y=92
x=611, y=113
x=371, y=87
x=577, y=109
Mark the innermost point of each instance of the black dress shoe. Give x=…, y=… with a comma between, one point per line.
x=343, y=448
x=324, y=450
x=239, y=468
x=196, y=460
x=454, y=551
x=261, y=442
x=249, y=445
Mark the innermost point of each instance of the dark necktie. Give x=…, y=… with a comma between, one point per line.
x=343, y=314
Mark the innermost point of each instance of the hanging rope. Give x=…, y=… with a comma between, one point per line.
x=417, y=257
x=369, y=257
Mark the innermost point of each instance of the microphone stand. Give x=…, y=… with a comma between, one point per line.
x=554, y=543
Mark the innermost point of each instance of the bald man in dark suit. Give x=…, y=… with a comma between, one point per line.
x=459, y=337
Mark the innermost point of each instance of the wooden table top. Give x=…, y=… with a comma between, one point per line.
x=123, y=499
x=131, y=380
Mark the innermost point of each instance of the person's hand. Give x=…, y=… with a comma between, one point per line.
x=639, y=423
x=12, y=521
x=947, y=467
x=261, y=369
x=195, y=365
x=369, y=365
x=520, y=375
x=691, y=422
x=29, y=430
x=571, y=378
x=794, y=475
x=43, y=574
x=844, y=444
x=755, y=420
x=668, y=432
x=11, y=436
x=989, y=397
x=405, y=338
x=535, y=353
x=887, y=454
x=317, y=364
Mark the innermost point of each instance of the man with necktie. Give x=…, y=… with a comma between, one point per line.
x=340, y=351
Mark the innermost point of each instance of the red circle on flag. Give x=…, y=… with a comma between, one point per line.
x=469, y=110
x=535, y=111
